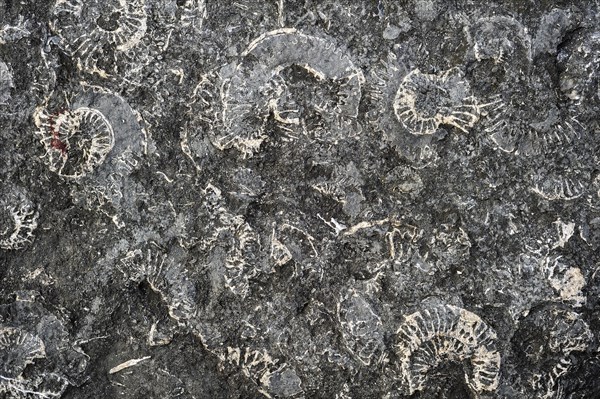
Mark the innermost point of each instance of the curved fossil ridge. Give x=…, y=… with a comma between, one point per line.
x=6, y=83
x=546, y=139
x=213, y=227
x=362, y=328
x=86, y=26
x=167, y=278
x=28, y=332
x=511, y=132
x=557, y=186
x=579, y=65
x=18, y=220
x=445, y=332
x=255, y=90
x=423, y=102
x=18, y=348
x=387, y=77
x=497, y=38
x=78, y=141
x=94, y=128
x=545, y=340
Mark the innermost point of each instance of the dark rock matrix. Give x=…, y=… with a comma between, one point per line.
x=339, y=199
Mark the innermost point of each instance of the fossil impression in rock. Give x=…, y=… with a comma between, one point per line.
x=76, y=141
x=441, y=333
x=258, y=88
x=386, y=79
x=499, y=39
x=558, y=186
x=532, y=125
x=18, y=348
x=424, y=102
x=546, y=339
x=166, y=277
x=18, y=218
x=512, y=130
x=95, y=32
x=272, y=375
x=213, y=228
x=545, y=141
x=88, y=129
x=37, y=358
x=93, y=139
x=362, y=328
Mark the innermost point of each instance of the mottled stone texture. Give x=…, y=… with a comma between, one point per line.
x=299, y=199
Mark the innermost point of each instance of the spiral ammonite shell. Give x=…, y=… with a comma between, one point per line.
x=445, y=332
x=87, y=26
x=76, y=141
x=257, y=89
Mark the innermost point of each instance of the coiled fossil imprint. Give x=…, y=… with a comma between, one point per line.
x=257, y=88
x=79, y=140
x=18, y=219
x=86, y=27
x=445, y=332
x=94, y=140
x=38, y=359
x=423, y=102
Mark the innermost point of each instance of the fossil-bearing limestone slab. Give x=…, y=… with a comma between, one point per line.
x=349, y=199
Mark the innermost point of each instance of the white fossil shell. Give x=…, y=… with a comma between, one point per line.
x=94, y=139
x=409, y=107
x=511, y=129
x=18, y=348
x=29, y=332
x=239, y=268
x=87, y=26
x=94, y=132
x=77, y=141
x=166, y=277
x=19, y=219
x=6, y=83
x=423, y=102
x=50, y=385
x=555, y=187
x=445, y=332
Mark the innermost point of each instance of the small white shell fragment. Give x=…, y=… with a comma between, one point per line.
x=127, y=364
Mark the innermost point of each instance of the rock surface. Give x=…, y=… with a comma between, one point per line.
x=299, y=199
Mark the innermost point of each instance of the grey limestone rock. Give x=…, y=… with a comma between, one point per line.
x=345, y=199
